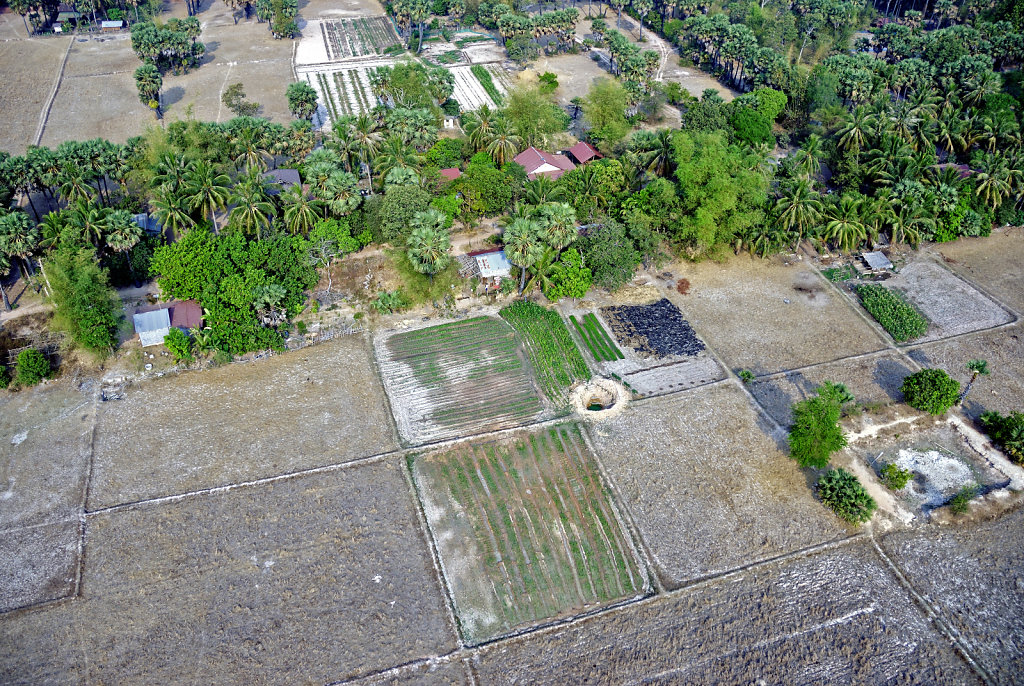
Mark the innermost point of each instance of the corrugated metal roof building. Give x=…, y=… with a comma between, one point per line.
x=153, y=326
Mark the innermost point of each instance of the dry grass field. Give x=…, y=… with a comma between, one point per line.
x=767, y=317
x=29, y=69
x=963, y=571
x=834, y=617
x=707, y=486
x=313, y=579
x=994, y=263
x=316, y=407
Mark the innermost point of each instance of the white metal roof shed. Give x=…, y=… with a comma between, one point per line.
x=877, y=260
x=153, y=326
x=493, y=264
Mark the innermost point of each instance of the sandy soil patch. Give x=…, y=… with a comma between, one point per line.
x=97, y=106
x=102, y=55
x=29, y=69
x=707, y=486
x=1003, y=388
x=38, y=564
x=317, y=406
x=973, y=576
x=765, y=316
x=836, y=617
x=576, y=74
x=873, y=380
x=995, y=263
x=314, y=579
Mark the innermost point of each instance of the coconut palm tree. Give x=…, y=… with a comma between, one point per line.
x=206, y=190
x=855, y=130
x=253, y=212
x=367, y=140
x=844, y=227
x=429, y=243
x=907, y=224
x=523, y=246
x=395, y=153
x=798, y=209
x=976, y=368
x=171, y=210
x=479, y=126
x=503, y=144
x=301, y=212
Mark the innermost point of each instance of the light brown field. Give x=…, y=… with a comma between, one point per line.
x=29, y=69
x=994, y=263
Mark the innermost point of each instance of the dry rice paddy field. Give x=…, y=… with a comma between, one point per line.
x=993, y=263
x=457, y=379
x=525, y=531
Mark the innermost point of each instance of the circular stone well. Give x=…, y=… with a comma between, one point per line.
x=599, y=398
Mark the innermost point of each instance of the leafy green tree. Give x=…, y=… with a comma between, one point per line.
x=534, y=117
x=604, y=109
x=1006, y=431
x=429, y=244
x=610, y=254
x=751, y=127
x=843, y=493
x=815, y=433
x=179, y=345
x=771, y=103
x=569, y=278
x=397, y=210
x=931, y=391
x=85, y=306
x=301, y=100
x=31, y=368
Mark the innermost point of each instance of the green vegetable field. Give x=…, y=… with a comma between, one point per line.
x=556, y=360
x=893, y=312
x=596, y=338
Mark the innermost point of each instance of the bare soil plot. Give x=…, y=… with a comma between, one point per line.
x=317, y=406
x=972, y=574
x=525, y=531
x=995, y=263
x=706, y=485
x=38, y=563
x=576, y=74
x=29, y=69
x=838, y=617
x=767, y=316
x=1003, y=389
x=951, y=305
x=457, y=379
x=97, y=106
x=101, y=55
x=313, y=579
x=873, y=380
x=434, y=672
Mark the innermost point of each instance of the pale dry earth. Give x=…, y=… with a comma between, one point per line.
x=318, y=406
x=993, y=263
x=29, y=68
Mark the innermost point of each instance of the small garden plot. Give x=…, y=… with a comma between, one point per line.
x=951, y=305
x=358, y=37
x=656, y=330
x=525, y=531
x=471, y=93
x=890, y=309
x=457, y=379
x=942, y=462
x=556, y=360
x=339, y=91
x=596, y=339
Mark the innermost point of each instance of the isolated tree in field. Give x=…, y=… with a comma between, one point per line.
x=976, y=368
x=815, y=433
x=843, y=493
x=301, y=100
x=523, y=246
x=429, y=243
x=19, y=237
x=234, y=100
x=149, y=82
x=931, y=391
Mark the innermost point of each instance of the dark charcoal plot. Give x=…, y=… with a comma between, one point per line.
x=657, y=329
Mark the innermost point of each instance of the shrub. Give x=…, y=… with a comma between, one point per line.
x=746, y=376
x=843, y=493
x=895, y=477
x=815, y=433
x=5, y=377
x=959, y=504
x=179, y=345
x=389, y=301
x=1007, y=432
x=893, y=312
x=751, y=126
x=931, y=391
x=32, y=367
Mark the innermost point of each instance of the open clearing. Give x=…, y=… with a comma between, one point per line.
x=525, y=531
x=1003, y=388
x=951, y=305
x=29, y=69
x=767, y=317
x=973, y=574
x=707, y=486
x=834, y=617
x=312, y=579
x=319, y=406
x=994, y=263
x=873, y=380
x=456, y=379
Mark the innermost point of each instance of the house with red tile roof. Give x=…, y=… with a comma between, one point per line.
x=539, y=163
x=583, y=152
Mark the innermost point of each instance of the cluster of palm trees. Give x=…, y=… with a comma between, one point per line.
x=173, y=46
x=491, y=131
x=561, y=24
x=536, y=234
x=411, y=14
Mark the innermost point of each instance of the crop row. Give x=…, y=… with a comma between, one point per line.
x=597, y=340
x=484, y=77
x=890, y=309
x=555, y=358
x=328, y=96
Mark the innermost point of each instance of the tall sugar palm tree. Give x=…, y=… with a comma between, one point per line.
x=395, y=153
x=5, y=268
x=523, y=246
x=976, y=368
x=340, y=193
x=559, y=222
x=19, y=237
x=429, y=243
x=206, y=190
x=123, y=233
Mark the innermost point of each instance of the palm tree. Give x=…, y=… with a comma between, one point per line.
x=340, y=193
x=171, y=210
x=367, y=138
x=543, y=189
x=479, y=126
x=798, y=209
x=976, y=368
x=854, y=131
x=993, y=180
x=844, y=227
x=249, y=150
x=394, y=154
x=429, y=243
x=559, y=222
x=206, y=190
x=123, y=233
x=19, y=237
x=253, y=211
x=657, y=153
x=523, y=246
x=300, y=211
x=907, y=223
x=503, y=143
x=74, y=184
x=170, y=170
x=642, y=7
x=93, y=221
x=5, y=267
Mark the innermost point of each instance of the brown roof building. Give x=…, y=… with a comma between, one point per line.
x=583, y=152
x=451, y=173
x=539, y=163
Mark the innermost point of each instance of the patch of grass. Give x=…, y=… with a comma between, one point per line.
x=419, y=288
x=895, y=477
x=837, y=274
x=484, y=77
x=890, y=309
x=961, y=501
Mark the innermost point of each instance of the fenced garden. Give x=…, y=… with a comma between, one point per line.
x=457, y=379
x=556, y=360
x=525, y=531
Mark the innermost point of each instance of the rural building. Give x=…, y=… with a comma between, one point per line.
x=148, y=223
x=583, y=152
x=108, y=26
x=539, y=163
x=877, y=261
x=285, y=178
x=491, y=266
x=66, y=12
x=450, y=174
x=154, y=322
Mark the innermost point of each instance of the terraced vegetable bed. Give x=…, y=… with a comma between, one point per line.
x=597, y=340
x=556, y=360
x=457, y=379
x=525, y=531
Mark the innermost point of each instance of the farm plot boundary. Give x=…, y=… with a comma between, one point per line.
x=525, y=531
